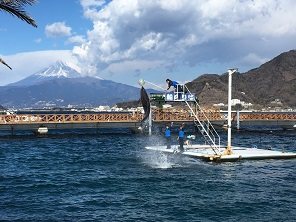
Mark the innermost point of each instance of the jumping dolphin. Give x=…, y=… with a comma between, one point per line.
x=145, y=103
x=2, y=61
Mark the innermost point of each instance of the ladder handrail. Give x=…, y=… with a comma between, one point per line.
x=211, y=133
x=204, y=129
x=215, y=148
x=208, y=121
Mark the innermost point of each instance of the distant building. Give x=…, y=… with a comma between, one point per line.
x=116, y=109
x=235, y=102
x=102, y=108
x=276, y=102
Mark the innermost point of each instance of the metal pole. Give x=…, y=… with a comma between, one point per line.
x=150, y=123
x=229, y=150
x=237, y=120
x=229, y=110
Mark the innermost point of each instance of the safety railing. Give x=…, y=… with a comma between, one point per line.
x=204, y=125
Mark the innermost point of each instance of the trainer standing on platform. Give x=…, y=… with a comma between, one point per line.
x=167, y=134
x=181, y=135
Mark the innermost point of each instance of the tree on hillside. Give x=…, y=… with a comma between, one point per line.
x=16, y=8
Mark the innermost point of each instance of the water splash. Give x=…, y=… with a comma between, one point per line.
x=157, y=160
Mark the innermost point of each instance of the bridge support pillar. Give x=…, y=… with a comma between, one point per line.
x=237, y=120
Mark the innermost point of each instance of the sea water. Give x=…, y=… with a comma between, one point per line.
x=111, y=177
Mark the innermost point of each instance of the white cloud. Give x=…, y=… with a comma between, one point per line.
x=78, y=39
x=57, y=29
x=184, y=32
x=92, y=7
x=91, y=3
x=27, y=63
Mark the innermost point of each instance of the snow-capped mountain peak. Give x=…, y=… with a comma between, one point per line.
x=59, y=70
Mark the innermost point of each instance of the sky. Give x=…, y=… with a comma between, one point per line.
x=128, y=40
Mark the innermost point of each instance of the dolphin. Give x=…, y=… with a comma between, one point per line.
x=145, y=103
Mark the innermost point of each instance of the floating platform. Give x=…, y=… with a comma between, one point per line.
x=206, y=153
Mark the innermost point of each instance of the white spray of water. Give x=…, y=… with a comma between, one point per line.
x=160, y=160
x=156, y=159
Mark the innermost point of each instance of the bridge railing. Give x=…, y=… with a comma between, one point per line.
x=70, y=118
x=267, y=116
x=158, y=115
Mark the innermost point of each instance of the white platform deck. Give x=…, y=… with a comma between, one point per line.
x=239, y=153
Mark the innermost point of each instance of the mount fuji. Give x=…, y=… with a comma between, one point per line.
x=62, y=85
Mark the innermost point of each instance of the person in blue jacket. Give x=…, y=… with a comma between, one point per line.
x=167, y=134
x=181, y=136
x=171, y=83
x=176, y=85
